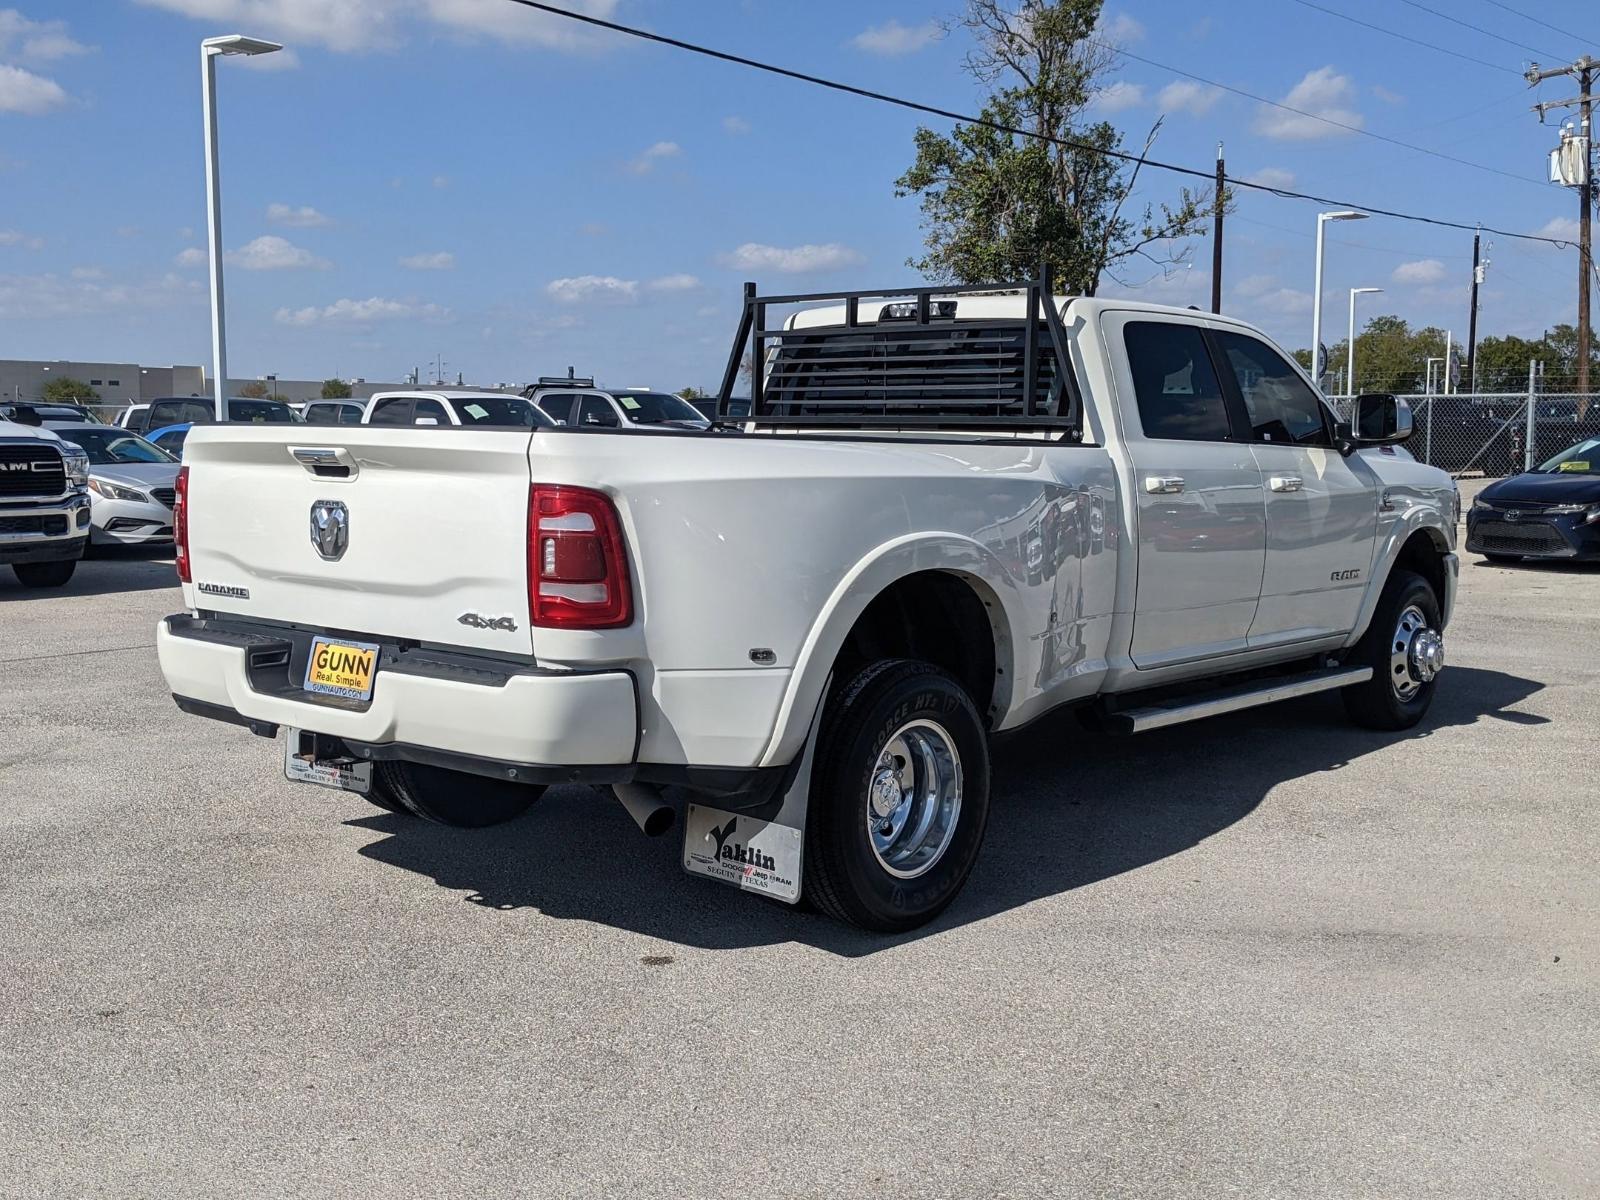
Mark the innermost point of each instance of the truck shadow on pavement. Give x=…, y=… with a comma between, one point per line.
x=1069, y=809
x=109, y=571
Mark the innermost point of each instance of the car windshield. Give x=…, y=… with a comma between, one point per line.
x=1582, y=459
x=652, y=408
x=110, y=445
x=499, y=410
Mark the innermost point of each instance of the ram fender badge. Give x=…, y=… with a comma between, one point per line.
x=506, y=624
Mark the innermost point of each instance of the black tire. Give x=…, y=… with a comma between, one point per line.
x=383, y=796
x=1378, y=703
x=1503, y=559
x=45, y=574
x=844, y=875
x=453, y=797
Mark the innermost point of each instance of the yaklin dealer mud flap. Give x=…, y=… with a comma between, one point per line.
x=757, y=856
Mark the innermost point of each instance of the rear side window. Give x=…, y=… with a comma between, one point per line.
x=180, y=412
x=1175, y=383
x=393, y=412
x=350, y=414
x=321, y=414
x=559, y=406
x=430, y=410
x=1283, y=409
x=597, y=411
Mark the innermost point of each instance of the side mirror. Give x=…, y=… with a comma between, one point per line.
x=1381, y=420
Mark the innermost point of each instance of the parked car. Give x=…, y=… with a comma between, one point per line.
x=738, y=407
x=579, y=402
x=201, y=410
x=811, y=632
x=1550, y=512
x=132, y=485
x=31, y=414
x=135, y=417
x=170, y=439
x=331, y=412
x=44, y=504
x=487, y=409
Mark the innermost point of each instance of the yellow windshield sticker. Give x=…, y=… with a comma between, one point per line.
x=477, y=411
x=628, y=402
x=1573, y=464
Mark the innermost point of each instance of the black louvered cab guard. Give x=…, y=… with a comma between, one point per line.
x=909, y=358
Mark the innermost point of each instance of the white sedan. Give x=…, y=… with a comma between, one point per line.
x=131, y=484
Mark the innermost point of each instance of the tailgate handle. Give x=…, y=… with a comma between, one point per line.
x=326, y=462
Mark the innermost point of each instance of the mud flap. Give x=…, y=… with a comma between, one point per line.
x=757, y=856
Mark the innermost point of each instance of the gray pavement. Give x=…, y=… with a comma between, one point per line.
x=1267, y=955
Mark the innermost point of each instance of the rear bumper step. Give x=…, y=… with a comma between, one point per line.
x=1234, y=699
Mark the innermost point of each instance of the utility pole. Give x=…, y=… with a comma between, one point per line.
x=1580, y=179
x=1472, y=318
x=1216, y=242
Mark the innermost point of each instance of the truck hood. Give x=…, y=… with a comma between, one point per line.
x=11, y=431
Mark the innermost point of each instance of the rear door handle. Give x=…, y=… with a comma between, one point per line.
x=1286, y=483
x=1162, y=485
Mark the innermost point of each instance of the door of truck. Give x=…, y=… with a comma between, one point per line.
x=1200, y=519
x=1322, y=508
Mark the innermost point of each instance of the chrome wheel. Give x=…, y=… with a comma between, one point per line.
x=1416, y=655
x=914, y=799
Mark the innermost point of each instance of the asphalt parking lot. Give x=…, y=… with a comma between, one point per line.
x=1268, y=955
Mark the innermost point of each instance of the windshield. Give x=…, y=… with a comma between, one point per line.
x=652, y=408
x=1582, y=459
x=110, y=445
x=499, y=410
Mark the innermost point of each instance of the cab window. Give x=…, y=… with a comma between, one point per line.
x=1282, y=407
x=597, y=411
x=430, y=410
x=394, y=411
x=1174, y=382
x=559, y=406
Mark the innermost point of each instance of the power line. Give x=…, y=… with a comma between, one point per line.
x=1406, y=37
x=1443, y=16
x=1067, y=143
x=1517, y=12
x=1415, y=149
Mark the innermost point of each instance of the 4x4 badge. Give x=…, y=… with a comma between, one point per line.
x=505, y=624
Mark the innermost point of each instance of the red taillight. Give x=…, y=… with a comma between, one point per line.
x=577, y=561
x=180, y=524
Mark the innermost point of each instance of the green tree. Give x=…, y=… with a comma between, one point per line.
x=68, y=391
x=995, y=205
x=254, y=390
x=335, y=389
x=692, y=393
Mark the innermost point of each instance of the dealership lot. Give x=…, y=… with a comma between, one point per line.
x=1267, y=954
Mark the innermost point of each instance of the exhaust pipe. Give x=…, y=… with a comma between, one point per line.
x=644, y=804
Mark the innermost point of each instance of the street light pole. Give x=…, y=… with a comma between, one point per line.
x=210, y=49
x=1350, y=346
x=1316, y=294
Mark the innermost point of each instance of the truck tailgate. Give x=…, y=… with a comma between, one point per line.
x=435, y=529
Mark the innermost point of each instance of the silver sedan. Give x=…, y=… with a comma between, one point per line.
x=131, y=485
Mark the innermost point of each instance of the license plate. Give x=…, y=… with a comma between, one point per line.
x=758, y=856
x=340, y=668
x=346, y=777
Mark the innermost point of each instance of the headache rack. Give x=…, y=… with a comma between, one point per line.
x=915, y=363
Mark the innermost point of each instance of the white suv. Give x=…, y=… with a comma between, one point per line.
x=579, y=402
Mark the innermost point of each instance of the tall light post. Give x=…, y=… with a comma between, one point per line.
x=1350, y=346
x=1316, y=295
x=210, y=49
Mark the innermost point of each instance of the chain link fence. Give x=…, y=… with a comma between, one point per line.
x=1495, y=434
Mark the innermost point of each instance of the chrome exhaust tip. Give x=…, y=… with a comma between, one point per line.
x=653, y=815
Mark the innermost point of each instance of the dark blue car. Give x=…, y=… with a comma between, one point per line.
x=1552, y=512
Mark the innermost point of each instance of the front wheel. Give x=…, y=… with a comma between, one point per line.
x=45, y=574
x=1404, y=646
x=899, y=797
x=452, y=797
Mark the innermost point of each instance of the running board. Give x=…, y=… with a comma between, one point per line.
x=1250, y=695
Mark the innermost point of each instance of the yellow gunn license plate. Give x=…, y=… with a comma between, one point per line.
x=340, y=668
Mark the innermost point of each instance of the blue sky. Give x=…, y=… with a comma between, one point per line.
x=469, y=179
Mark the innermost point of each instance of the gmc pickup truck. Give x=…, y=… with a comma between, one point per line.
x=44, y=504
x=950, y=512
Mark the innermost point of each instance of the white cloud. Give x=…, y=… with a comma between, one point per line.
x=522, y=26
x=30, y=297
x=304, y=217
x=1562, y=228
x=1119, y=29
x=1116, y=97
x=272, y=253
x=42, y=40
x=1388, y=97
x=893, y=39
x=193, y=256
x=441, y=181
x=1323, y=93
x=1283, y=301
x=441, y=260
x=1189, y=97
x=88, y=273
x=29, y=94
x=590, y=289
x=1423, y=271
x=346, y=25
x=735, y=125
x=1273, y=177
x=673, y=283
x=1254, y=285
x=29, y=241
x=753, y=256
x=360, y=312
x=652, y=155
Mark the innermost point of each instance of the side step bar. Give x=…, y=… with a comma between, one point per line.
x=1250, y=695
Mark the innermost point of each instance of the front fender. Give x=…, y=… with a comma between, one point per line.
x=892, y=561
x=1403, y=512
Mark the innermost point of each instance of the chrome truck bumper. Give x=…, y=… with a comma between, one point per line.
x=55, y=531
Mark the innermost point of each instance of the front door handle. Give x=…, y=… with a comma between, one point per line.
x=1163, y=485
x=1286, y=483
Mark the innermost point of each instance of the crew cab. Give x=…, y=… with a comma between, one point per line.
x=44, y=504
x=578, y=402
x=953, y=511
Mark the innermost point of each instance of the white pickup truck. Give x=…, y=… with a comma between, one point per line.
x=950, y=512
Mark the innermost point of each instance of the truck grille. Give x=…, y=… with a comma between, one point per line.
x=53, y=524
x=31, y=471
x=1507, y=537
x=164, y=496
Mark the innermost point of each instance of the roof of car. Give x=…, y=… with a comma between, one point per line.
x=446, y=394
x=1011, y=306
